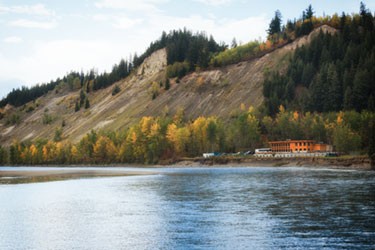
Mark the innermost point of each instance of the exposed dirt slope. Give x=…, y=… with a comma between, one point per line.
x=213, y=92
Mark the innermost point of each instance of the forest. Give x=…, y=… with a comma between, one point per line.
x=338, y=65
x=325, y=92
x=334, y=72
x=164, y=139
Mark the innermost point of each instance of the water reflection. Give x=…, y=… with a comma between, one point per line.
x=239, y=208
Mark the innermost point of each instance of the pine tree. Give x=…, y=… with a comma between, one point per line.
x=335, y=90
x=167, y=84
x=348, y=99
x=361, y=89
x=234, y=43
x=275, y=25
x=77, y=107
x=309, y=12
x=87, y=103
x=82, y=97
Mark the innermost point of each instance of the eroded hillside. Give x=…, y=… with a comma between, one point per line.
x=216, y=92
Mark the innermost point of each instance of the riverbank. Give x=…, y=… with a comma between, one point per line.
x=346, y=162
x=27, y=176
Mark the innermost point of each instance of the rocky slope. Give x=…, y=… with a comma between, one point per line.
x=217, y=92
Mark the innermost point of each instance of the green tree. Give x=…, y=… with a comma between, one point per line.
x=361, y=89
x=77, y=107
x=15, y=153
x=212, y=132
x=345, y=140
x=348, y=99
x=167, y=84
x=58, y=135
x=82, y=97
x=275, y=24
x=309, y=12
x=371, y=146
x=87, y=103
x=116, y=90
x=334, y=101
x=3, y=156
x=234, y=43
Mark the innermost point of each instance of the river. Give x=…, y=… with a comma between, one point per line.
x=193, y=208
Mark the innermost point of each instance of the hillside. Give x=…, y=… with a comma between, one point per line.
x=219, y=92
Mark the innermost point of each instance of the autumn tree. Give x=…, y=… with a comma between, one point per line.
x=104, y=150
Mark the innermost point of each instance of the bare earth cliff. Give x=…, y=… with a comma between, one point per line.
x=216, y=92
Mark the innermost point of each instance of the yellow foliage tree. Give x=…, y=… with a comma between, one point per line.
x=104, y=150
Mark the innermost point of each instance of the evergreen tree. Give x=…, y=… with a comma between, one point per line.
x=82, y=97
x=309, y=12
x=335, y=92
x=167, y=84
x=275, y=25
x=234, y=43
x=77, y=107
x=348, y=99
x=361, y=89
x=87, y=103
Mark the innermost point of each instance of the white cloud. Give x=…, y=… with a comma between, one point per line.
x=12, y=39
x=118, y=21
x=24, y=23
x=223, y=30
x=139, y=5
x=101, y=17
x=50, y=60
x=37, y=9
x=214, y=2
x=125, y=22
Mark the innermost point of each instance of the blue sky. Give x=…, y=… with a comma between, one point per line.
x=41, y=40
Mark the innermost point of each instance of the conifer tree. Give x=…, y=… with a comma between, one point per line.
x=275, y=25
x=87, y=103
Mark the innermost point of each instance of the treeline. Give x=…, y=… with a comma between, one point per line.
x=20, y=96
x=334, y=72
x=23, y=95
x=183, y=47
x=91, y=81
x=186, y=51
x=162, y=139
x=119, y=71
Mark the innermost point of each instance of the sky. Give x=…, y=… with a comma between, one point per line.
x=41, y=40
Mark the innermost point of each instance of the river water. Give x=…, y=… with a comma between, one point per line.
x=194, y=208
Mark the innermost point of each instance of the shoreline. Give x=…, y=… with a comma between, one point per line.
x=29, y=176
x=345, y=163
x=68, y=172
x=350, y=162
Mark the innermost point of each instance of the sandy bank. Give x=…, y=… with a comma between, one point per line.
x=26, y=176
x=354, y=163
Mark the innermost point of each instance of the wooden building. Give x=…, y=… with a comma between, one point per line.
x=295, y=146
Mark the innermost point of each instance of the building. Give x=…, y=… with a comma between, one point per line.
x=296, y=146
